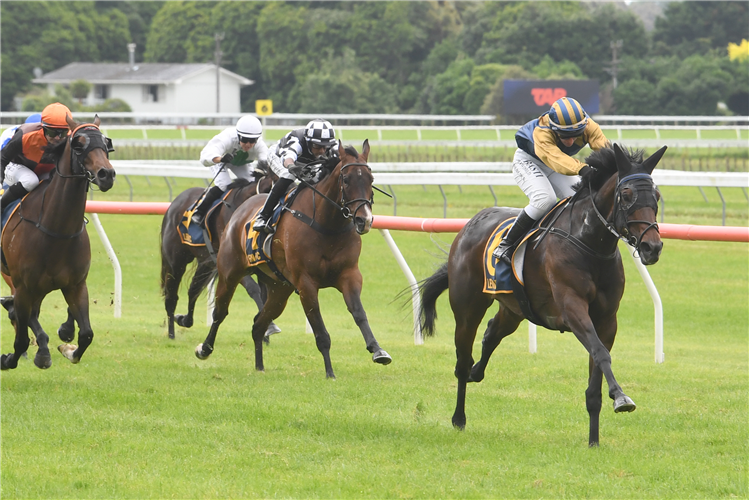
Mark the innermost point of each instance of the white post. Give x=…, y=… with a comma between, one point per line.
x=532, y=338
x=115, y=264
x=415, y=295
x=659, y=355
x=211, y=301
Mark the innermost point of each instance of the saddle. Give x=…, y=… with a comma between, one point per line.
x=195, y=235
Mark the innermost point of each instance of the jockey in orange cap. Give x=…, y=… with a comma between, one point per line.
x=23, y=160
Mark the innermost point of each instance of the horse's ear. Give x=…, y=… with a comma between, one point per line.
x=623, y=165
x=97, y=120
x=653, y=160
x=365, y=150
x=72, y=124
x=341, y=149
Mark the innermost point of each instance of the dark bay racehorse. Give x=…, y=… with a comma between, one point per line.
x=574, y=277
x=46, y=246
x=176, y=255
x=310, y=255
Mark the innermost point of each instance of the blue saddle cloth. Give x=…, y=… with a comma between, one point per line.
x=190, y=233
x=497, y=274
x=255, y=242
x=8, y=211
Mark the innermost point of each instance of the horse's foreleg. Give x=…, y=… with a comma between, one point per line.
x=23, y=308
x=199, y=281
x=77, y=298
x=259, y=294
x=278, y=296
x=582, y=326
x=42, y=359
x=308, y=294
x=66, y=332
x=593, y=401
x=351, y=284
x=224, y=292
x=500, y=326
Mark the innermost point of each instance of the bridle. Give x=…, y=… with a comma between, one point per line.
x=343, y=205
x=638, y=184
x=82, y=149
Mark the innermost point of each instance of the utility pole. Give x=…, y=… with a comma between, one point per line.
x=615, y=48
x=217, y=58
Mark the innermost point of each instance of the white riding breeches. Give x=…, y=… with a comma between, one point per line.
x=15, y=173
x=221, y=175
x=541, y=184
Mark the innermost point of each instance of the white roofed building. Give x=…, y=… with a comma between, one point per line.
x=155, y=87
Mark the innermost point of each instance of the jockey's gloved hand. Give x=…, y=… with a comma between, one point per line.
x=585, y=170
x=296, y=170
x=227, y=158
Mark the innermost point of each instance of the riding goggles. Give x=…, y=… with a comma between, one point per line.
x=54, y=133
x=251, y=140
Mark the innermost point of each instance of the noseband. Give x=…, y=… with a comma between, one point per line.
x=643, y=195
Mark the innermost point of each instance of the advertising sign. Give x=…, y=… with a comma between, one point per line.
x=535, y=97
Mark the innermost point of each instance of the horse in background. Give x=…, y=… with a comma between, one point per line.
x=573, y=273
x=46, y=246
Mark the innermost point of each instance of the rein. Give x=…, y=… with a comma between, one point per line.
x=341, y=206
x=631, y=240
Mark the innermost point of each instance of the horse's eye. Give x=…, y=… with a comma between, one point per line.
x=626, y=196
x=345, y=181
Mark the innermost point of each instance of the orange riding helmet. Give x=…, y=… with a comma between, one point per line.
x=54, y=116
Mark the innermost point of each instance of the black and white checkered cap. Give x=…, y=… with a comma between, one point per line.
x=320, y=131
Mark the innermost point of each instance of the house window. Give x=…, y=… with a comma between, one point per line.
x=150, y=93
x=101, y=92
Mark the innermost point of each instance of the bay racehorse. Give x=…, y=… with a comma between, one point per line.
x=316, y=245
x=46, y=247
x=176, y=255
x=574, y=278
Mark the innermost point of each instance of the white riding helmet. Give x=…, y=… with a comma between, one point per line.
x=250, y=127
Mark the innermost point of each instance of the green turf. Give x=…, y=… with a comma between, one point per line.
x=141, y=417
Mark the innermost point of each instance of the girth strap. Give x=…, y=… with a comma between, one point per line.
x=316, y=226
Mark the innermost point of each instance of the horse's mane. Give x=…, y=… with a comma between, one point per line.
x=238, y=183
x=330, y=163
x=604, y=163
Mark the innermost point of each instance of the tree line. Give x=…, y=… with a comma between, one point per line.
x=424, y=57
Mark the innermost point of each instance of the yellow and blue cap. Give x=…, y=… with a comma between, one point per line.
x=567, y=117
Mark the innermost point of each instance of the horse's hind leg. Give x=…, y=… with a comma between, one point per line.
x=469, y=310
x=224, y=292
x=172, y=271
x=500, y=326
x=203, y=274
x=593, y=400
x=351, y=284
x=77, y=299
x=23, y=309
x=66, y=332
x=259, y=294
x=42, y=359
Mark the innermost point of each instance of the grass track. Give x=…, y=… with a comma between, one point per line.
x=141, y=417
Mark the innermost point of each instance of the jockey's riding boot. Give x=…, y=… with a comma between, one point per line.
x=13, y=193
x=522, y=225
x=212, y=195
x=279, y=189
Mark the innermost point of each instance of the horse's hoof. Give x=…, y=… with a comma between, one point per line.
x=203, y=351
x=381, y=357
x=65, y=334
x=43, y=362
x=67, y=350
x=183, y=321
x=459, y=424
x=272, y=330
x=8, y=362
x=477, y=375
x=624, y=404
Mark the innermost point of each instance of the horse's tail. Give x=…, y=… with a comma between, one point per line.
x=431, y=288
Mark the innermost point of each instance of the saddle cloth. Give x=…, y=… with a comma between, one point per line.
x=190, y=233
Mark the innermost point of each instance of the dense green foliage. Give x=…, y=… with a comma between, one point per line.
x=405, y=57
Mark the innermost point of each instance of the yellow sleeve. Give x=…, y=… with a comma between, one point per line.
x=545, y=147
x=594, y=136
